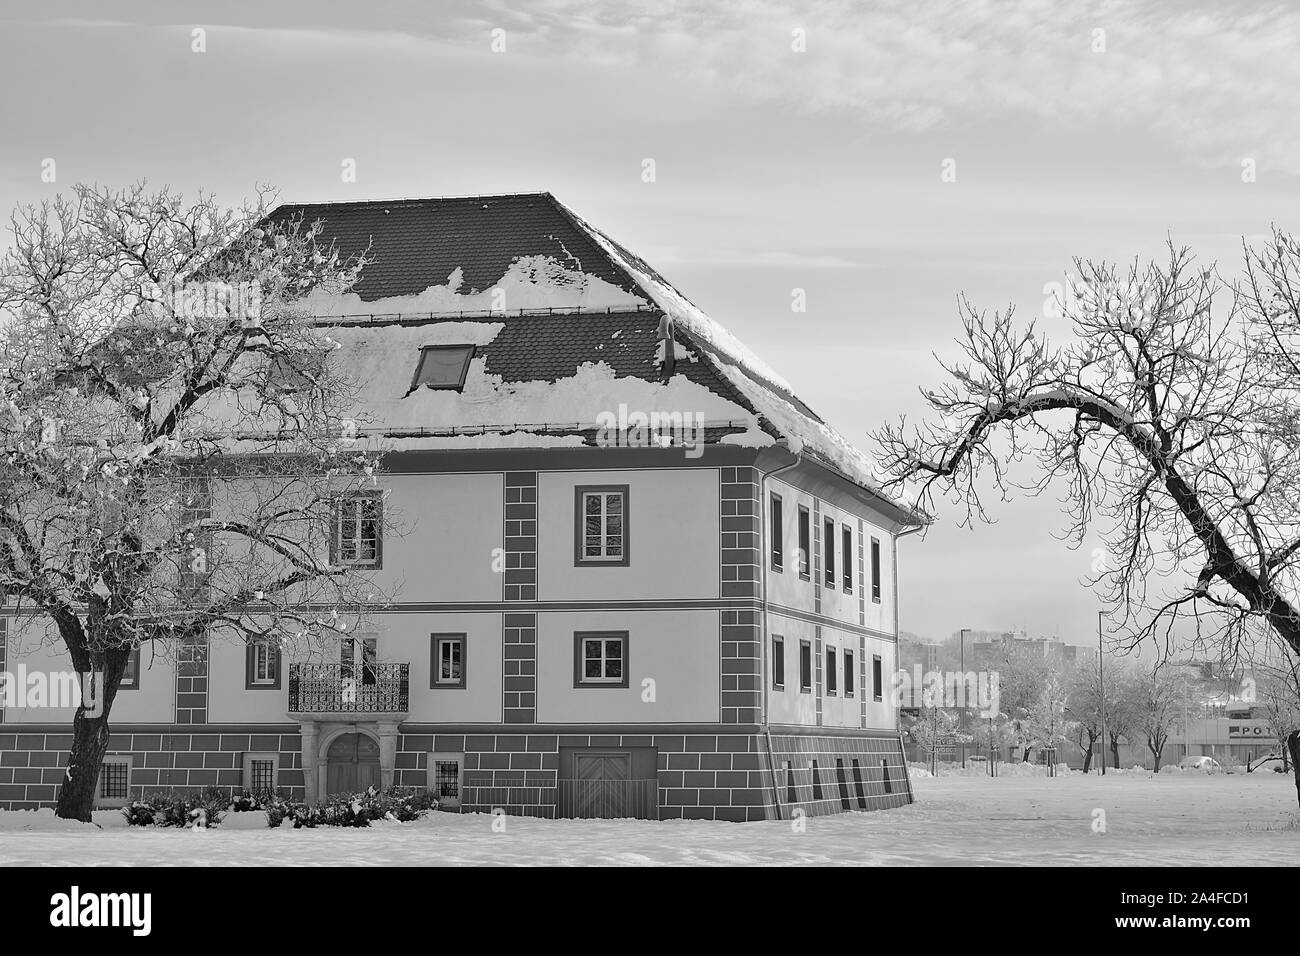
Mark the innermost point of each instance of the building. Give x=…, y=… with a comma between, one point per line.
x=987, y=649
x=637, y=575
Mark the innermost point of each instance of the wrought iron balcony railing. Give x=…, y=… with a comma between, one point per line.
x=349, y=688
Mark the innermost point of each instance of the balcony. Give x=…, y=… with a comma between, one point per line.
x=349, y=689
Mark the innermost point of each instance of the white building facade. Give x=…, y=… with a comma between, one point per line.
x=583, y=621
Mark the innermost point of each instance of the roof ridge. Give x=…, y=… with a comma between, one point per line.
x=378, y=319
x=411, y=200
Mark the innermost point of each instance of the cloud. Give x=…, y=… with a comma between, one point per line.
x=1219, y=83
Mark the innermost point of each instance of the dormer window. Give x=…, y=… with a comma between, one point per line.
x=443, y=366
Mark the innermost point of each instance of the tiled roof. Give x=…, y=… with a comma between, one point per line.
x=416, y=243
x=533, y=348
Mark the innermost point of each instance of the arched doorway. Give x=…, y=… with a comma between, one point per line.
x=352, y=764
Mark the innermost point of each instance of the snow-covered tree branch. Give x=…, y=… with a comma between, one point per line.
x=1171, y=417
x=175, y=435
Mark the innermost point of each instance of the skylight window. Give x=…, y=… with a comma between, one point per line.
x=443, y=366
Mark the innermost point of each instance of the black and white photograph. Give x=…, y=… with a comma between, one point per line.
x=575, y=434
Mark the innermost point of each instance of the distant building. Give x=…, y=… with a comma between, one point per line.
x=989, y=648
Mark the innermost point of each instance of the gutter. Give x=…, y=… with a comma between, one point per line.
x=764, y=569
x=898, y=714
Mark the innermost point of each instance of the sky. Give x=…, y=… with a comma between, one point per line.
x=883, y=158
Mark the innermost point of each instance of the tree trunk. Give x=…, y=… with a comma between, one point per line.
x=1293, y=748
x=1156, y=753
x=90, y=734
x=89, y=744
x=1114, y=751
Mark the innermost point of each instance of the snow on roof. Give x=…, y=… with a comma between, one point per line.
x=383, y=357
x=769, y=394
x=449, y=256
x=682, y=311
x=531, y=282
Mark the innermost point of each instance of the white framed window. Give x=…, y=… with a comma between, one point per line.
x=359, y=659
x=777, y=534
x=261, y=772
x=601, y=525
x=448, y=660
x=600, y=659
x=195, y=559
x=358, y=532
x=262, y=666
x=114, y=786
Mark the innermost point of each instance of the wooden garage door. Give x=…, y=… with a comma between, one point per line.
x=602, y=785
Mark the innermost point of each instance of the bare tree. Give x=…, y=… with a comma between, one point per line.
x=935, y=727
x=1277, y=692
x=1023, y=674
x=1158, y=702
x=175, y=436
x=1046, y=721
x=1171, y=414
x=1172, y=417
x=1083, y=707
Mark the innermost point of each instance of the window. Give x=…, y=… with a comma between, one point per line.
x=600, y=659
x=444, y=777
x=448, y=660
x=791, y=794
x=114, y=782
x=358, y=657
x=261, y=772
x=358, y=537
x=850, y=678
x=828, y=551
x=805, y=543
x=847, y=560
x=877, y=678
x=262, y=666
x=196, y=554
x=875, y=570
x=442, y=366
x=778, y=542
x=817, y=782
x=600, y=525
x=831, y=675
x=778, y=662
x=843, y=781
x=857, y=785
x=130, y=674
x=805, y=667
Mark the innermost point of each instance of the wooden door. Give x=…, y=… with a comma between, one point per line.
x=352, y=765
x=602, y=785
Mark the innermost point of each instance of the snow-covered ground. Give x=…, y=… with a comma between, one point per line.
x=1178, y=819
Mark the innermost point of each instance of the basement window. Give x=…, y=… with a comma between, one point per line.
x=261, y=772
x=114, y=785
x=443, y=366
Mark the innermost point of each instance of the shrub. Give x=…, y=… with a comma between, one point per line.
x=205, y=807
x=140, y=813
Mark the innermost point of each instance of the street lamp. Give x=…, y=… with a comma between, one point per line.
x=1101, y=695
x=964, y=689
